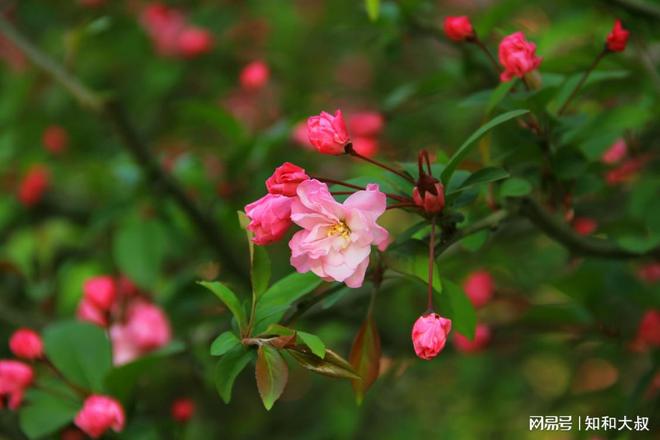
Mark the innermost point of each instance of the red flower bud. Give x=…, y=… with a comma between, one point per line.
x=430, y=198
x=482, y=336
x=429, y=335
x=584, y=225
x=617, y=39
x=183, y=409
x=458, y=28
x=26, y=344
x=517, y=56
x=255, y=75
x=100, y=291
x=98, y=414
x=285, y=179
x=479, y=286
x=195, y=41
x=34, y=184
x=648, y=333
x=55, y=139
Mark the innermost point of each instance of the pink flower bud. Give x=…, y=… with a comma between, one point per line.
x=285, y=179
x=270, y=217
x=626, y=171
x=517, y=56
x=366, y=124
x=26, y=344
x=479, y=287
x=458, y=28
x=584, y=225
x=618, y=38
x=365, y=146
x=255, y=75
x=648, y=332
x=148, y=326
x=429, y=335
x=100, y=291
x=55, y=139
x=98, y=414
x=34, y=184
x=482, y=336
x=431, y=199
x=615, y=153
x=328, y=133
x=15, y=377
x=649, y=272
x=183, y=409
x=88, y=311
x=195, y=41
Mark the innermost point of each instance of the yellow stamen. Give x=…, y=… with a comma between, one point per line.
x=339, y=229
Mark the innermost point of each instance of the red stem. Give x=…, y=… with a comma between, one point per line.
x=352, y=152
x=582, y=81
x=431, y=264
x=402, y=205
x=489, y=55
x=360, y=188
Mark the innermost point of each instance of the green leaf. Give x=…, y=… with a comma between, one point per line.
x=313, y=342
x=464, y=149
x=229, y=298
x=515, y=187
x=45, y=413
x=260, y=271
x=498, y=94
x=122, y=380
x=484, y=175
x=331, y=365
x=455, y=305
x=80, y=351
x=373, y=9
x=474, y=242
x=272, y=374
x=411, y=258
x=228, y=368
x=274, y=303
x=225, y=342
x=365, y=357
x=139, y=248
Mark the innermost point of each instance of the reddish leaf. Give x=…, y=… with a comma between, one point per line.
x=365, y=357
x=331, y=365
x=272, y=374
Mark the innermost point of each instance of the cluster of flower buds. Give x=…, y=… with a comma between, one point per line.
x=99, y=414
x=16, y=376
x=136, y=325
x=172, y=35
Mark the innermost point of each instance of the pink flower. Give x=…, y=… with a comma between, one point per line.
x=15, y=377
x=194, y=41
x=148, y=326
x=327, y=133
x=429, y=335
x=55, y=139
x=98, y=414
x=183, y=409
x=34, y=185
x=255, y=75
x=365, y=146
x=432, y=199
x=648, y=333
x=88, y=311
x=27, y=344
x=479, y=287
x=482, y=336
x=285, y=179
x=100, y=291
x=626, y=171
x=124, y=348
x=336, y=239
x=270, y=217
x=649, y=272
x=458, y=28
x=518, y=56
x=584, y=225
x=617, y=39
x=615, y=153
x=366, y=124
x=164, y=25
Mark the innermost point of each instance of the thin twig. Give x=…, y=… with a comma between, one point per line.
x=579, y=85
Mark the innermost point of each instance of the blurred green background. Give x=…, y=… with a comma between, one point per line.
x=562, y=325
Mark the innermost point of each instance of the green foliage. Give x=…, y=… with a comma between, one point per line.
x=228, y=368
x=272, y=375
x=139, y=248
x=229, y=299
x=46, y=413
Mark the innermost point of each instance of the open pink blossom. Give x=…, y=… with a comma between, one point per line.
x=328, y=133
x=429, y=335
x=336, y=239
x=270, y=217
x=517, y=56
x=98, y=414
x=124, y=348
x=482, y=336
x=300, y=136
x=27, y=344
x=15, y=377
x=479, y=287
x=285, y=179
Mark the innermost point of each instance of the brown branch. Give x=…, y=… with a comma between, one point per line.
x=112, y=110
